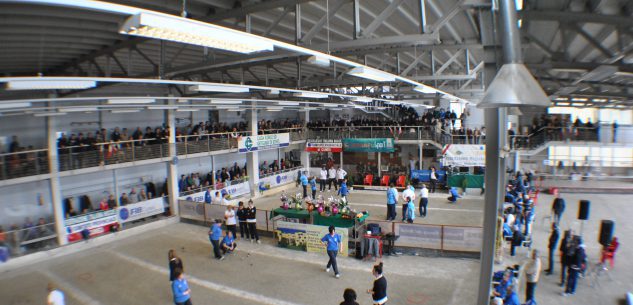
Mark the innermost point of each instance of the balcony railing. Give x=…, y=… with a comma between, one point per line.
x=29, y=240
x=24, y=163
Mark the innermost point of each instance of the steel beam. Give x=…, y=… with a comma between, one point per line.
x=448, y=62
x=356, y=13
x=539, y=45
x=413, y=39
x=384, y=14
x=572, y=17
x=297, y=23
x=413, y=64
x=592, y=40
x=319, y=25
x=422, y=16
x=276, y=21
x=437, y=11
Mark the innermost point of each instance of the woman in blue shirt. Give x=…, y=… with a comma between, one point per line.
x=180, y=288
x=392, y=199
x=410, y=210
x=313, y=186
x=333, y=243
x=343, y=191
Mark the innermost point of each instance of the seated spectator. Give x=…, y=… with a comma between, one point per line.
x=142, y=196
x=124, y=200
x=3, y=236
x=111, y=202
x=133, y=197
x=228, y=244
x=103, y=205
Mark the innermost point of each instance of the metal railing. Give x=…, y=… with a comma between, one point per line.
x=268, y=174
x=602, y=134
x=28, y=240
x=24, y=163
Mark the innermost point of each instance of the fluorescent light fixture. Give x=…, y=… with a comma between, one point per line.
x=125, y=110
x=274, y=108
x=40, y=114
x=288, y=103
x=425, y=89
x=49, y=84
x=312, y=94
x=599, y=100
x=319, y=61
x=79, y=109
x=226, y=102
x=219, y=88
x=578, y=104
x=393, y=103
x=362, y=99
x=330, y=105
x=562, y=104
x=561, y=99
x=189, y=31
x=14, y=105
x=131, y=101
x=234, y=109
x=182, y=100
x=335, y=109
x=373, y=74
x=273, y=91
x=359, y=106
x=579, y=99
x=188, y=109
x=165, y=107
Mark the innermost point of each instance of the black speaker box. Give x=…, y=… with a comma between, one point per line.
x=606, y=232
x=583, y=209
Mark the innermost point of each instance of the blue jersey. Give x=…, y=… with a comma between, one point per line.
x=392, y=196
x=304, y=180
x=313, y=184
x=343, y=191
x=179, y=287
x=228, y=240
x=332, y=241
x=216, y=232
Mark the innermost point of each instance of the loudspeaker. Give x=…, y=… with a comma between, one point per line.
x=583, y=209
x=606, y=232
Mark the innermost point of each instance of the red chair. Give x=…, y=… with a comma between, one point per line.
x=380, y=243
x=384, y=181
x=369, y=180
x=401, y=181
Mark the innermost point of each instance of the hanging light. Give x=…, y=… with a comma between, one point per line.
x=514, y=86
x=372, y=74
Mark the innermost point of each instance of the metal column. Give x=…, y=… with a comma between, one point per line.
x=172, y=165
x=56, y=196
x=252, y=158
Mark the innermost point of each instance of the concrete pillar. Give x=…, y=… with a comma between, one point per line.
x=341, y=157
x=420, y=148
x=252, y=158
x=116, y=188
x=378, y=165
x=172, y=165
x=213, y=171
x=56, y=196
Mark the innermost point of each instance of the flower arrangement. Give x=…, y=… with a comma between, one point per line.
x=297, y=202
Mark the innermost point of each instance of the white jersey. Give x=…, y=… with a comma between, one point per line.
x=424, y=193
x=230, y=217
x=323, y=175
x=408, y=193
x=340, y=174
x=331, y=173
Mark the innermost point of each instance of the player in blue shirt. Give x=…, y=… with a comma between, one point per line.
x=313, y=186
x=343, y=191
x=180, y=288
x=304, y=184
x=392, y=200
x=215, y=233
x=333, y=243
x=228, y=243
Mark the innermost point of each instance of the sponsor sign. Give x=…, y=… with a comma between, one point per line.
x=232, y=190
x=324, y=145
x=424, y=175
x=306, y=237
x=369, y=145
x=464, y=155
x=97, y=223
x=463, y=239
x=141, y=210
x=281, y=178
x=263, y=142
x=420, y=236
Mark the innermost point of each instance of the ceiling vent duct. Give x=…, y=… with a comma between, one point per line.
x=514, y=86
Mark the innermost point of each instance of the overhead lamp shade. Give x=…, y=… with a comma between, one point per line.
x=373, y=74
x=115, y=101
x=219, y=88
x=193, y=32
x=514, y=86
x=33, y=84
x=14, y=105
x=425, y=89
x=319, y=61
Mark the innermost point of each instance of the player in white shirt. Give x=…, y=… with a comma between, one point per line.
x=340, y=175
x=409, y=192
x=424, y=200
x=55, y=297
x=331, y=176
x=322, y=179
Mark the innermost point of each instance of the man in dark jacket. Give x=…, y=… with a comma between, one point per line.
x=558, y=207
x=553, y=241
x=575, y=267
x=517, y=239
x=566, y=254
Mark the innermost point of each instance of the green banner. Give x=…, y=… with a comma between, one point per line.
x=369, y=145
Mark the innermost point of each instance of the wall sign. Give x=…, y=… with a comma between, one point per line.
x=369, y=145
x=306, y=237
x=263, y=142
x=141, y=209
x=324, y=145
x=464, y=155
x=233, y=190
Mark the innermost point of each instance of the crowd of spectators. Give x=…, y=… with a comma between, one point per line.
x=28, y=237
x=555, y=127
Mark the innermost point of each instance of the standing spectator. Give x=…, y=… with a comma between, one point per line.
x=407, y=194
x=228, y=243
x=558, y=207
x=433, y=179
x=392, y=200
x=379, y=290
x=566, y=254
x=215, y=232
x=180, y=288
x=207, y=196
x=340, y=175
x=304, y=184
x=55, y=296
x=242, y=215
x=349, y=297
x=553, y=241
x=410, y=211
x=424, y=200
x=517, y=239
x=229, y=216
x=332, y=241
x=124, y=200
x=575, y=267
x=343, y=191
x=322, y=179
x=331, y=176
x=251, y=220
x=313, y=186
x=174, y=263
x=532, y=272
x=615, y=129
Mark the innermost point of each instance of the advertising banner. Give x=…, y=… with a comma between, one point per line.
x=369, y=145
x=465, y=239
x=139, y=210
x=324, y=145
x=97, y=223
x=424, y=175
x=263, y=142
x=280, y=179
x=307, y=237
x=464, y=155
x=420, y=236
x=232, y=190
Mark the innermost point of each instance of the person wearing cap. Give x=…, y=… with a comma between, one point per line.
x=332, y=241
x=229, y=217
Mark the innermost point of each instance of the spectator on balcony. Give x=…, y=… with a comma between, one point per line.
x=111, y=202
x=133, y=196
x=142, y=196
x=15, y=145
x=103, y=205
x=217, y=198
x=124, y=200
x=224, y=175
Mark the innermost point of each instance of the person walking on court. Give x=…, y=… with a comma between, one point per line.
x=408, y=193
x=215, y=233
x=343, y=191
x=55, y=296
x=433, y=178
x=392, y=200
x=313, y=186
x=304, y=184
x=332, y=241
x=180, y=288
x=532, y=272
x=558, y=207
x=410, y=211
x=566, y=255
x=424, y=200
x=553, y=241
x=379, y=290
x=174, y=263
